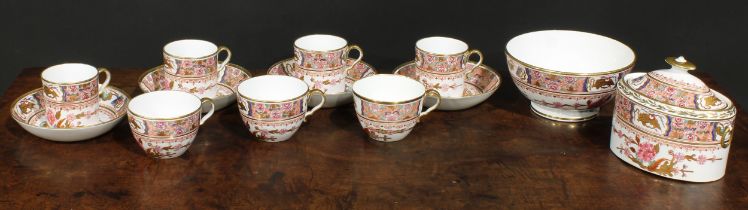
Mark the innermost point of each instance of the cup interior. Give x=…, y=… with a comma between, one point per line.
x=442, y=45
x=165, y=104
x=570, y=51
x=320, y=42
x=272, y=88
x=190, y=48
x=69, y=73
x=389, y=88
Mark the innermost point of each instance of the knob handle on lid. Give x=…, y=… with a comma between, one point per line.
x=681, y=63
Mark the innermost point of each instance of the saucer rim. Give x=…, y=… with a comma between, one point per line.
x=115, y=119
x=347, y=77
x=151, y=70
x=484, y=92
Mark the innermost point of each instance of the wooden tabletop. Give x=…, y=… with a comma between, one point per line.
x=495, y=155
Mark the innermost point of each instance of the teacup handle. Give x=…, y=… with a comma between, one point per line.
x=360, y=56
x=225, y=61
x=480, y=58
x=210, y=113
x=319, y=106
x=103, y=85
x=435, y=94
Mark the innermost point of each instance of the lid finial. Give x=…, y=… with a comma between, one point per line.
x=681, y=63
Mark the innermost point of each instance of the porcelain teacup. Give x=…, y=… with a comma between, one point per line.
x=71, y=94
x=165, y=123
x=389, y=106
x=191, y=61
x=320, y=60
x=274, y=106
x=442, y=64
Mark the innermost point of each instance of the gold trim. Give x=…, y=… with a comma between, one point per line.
x=193, y=58
x=347, y=76
x=562, y=119
x=117, y=114
x=204, y=76
x=483, y=66
x=300, y=115
x=686, y=65
x=708, y=90
x=151, y=70
x=626, y=85
x=630, y=66
x=430, y=53
x=271, y=101
x=393, y=102
x=379, y=121
x=167, y=137
x=626, y=123
x=199, y=109
x=96, y=76
x=562, y=93
x=305, y=50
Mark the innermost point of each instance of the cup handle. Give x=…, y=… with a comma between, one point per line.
x=225, y=61
x=435, y=94
x=319, y=106
x=210, y=113
x=103, y=85
x=360, y=56
x=480, y=58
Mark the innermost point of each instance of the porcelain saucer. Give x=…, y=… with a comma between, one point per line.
x=361, y=70
x=479, y=85
x=29, y=113
x=230, y=78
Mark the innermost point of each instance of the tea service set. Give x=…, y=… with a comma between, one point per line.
x=666, y=122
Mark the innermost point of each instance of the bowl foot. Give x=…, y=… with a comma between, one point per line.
x=564, y=115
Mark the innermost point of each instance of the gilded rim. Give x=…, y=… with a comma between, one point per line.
x=631, y=65
x=563, y=119
x=96, y=76
x=151, y=70
x=198, y=109
x=280, y=64
x=218, y=49
x=276, y=101
x=430, y=53
x=117, y=114
x=323, y=51
x=393, y=102
x=483, y=92
x=379, y=121
x=626, y=85
x=677, y=87
x=216, y=73
x=290, y=119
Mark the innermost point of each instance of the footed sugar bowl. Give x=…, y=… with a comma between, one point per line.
x=669, y=123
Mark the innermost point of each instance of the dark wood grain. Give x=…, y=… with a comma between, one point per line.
x=495, y=155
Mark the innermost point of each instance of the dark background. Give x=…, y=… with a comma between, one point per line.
x=260, y=33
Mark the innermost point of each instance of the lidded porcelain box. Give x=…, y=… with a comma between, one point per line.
x=668, y=122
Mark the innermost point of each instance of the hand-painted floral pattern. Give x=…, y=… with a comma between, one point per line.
x=675, y=95
x=564, y=83
x=70, y=115
x=331, y=81
x=386, y=131
x=164, y=128
x=477, y=82
x=164, y=148
x=448, y=85
x=271, y=111
x=671, y=127
x=358, y=71
x=442, y=64
x=191, y=67
x=563, y=100
x=390, y=112
x=317, y=60
x=200, y=86
x=273, y=131
x=71, y=93
x=29, y=110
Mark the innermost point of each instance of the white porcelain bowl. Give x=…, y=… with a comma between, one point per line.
x=567, y=75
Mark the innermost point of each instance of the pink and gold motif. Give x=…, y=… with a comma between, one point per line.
x=278, y=119
x=331, y=81
x=448, y=85
x=200, y=86
x=164, y=128
x=656, y=132
x=194, y=58
x=70, y=115
x=309, y=54
x=165, y=148
x=30, y=111
x=71, y=93
x=444, y=64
